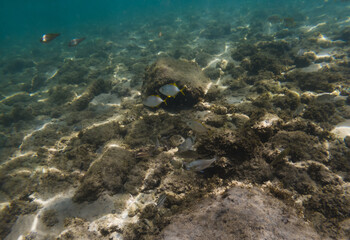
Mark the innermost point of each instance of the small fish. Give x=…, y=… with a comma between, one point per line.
x=298, y=110
x=46, y=38
x=187, y=145
x=153, y=101
x=171, y=90
x=141, y=155
x=161, y=200
x=200, y=165
x=74, y=42
x=197, y=126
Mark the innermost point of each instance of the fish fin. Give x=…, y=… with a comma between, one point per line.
x=165, y=101
x=181, y=90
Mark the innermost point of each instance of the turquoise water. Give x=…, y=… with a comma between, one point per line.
x=23, y=21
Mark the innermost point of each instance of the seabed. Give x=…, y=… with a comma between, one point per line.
x=83, y=158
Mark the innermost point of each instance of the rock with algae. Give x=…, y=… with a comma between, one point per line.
x=183, y=73
x=240, y=213
x=108, y=173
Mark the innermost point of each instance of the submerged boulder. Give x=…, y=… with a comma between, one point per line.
x=107, y=173
x=184, y=74
x=240, y=213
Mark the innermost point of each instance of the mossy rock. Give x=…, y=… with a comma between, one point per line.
x=97, y=87
x=108, y=173
x=183, y=73
x=72, y=72
x=17, y=113
x=20, y=97
x=264, y=62
x=244, y=50
x=299, y=146
x=319, y=112
x=60, y=94
x=316, y=81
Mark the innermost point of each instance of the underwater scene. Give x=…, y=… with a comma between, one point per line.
x=174, y=119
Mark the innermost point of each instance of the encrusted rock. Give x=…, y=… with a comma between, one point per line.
x=239, y=214
x=184, y=74
x=105, y=174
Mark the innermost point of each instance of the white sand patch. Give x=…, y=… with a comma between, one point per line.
x=106, y=99
x=99, y=213
x=342, y=129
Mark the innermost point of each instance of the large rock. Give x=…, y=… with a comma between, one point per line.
x=109, y=173
x=240, y=213
x=183, y=73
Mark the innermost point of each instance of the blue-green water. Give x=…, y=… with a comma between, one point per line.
x=24, y=19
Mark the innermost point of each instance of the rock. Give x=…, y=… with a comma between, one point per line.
x=212, y=73
x=264, y=62
x=345, y=34
x=300, y=146
x=347, y=141
x=239, y=213
x=167, y=70
x=49, y=218
x=243, y=50
x=108, y=173
x=314, y=81
x=302, y=61
x=20, y=97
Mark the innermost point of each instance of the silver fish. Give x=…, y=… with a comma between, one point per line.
x=153, y=101
x=197, y=126
x=200, y=165
x=74, y=42
x=46, y=38
x=187, y=145
x=170, y=90
x=161, y=200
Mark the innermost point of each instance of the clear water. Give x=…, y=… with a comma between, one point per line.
x=39, y=130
